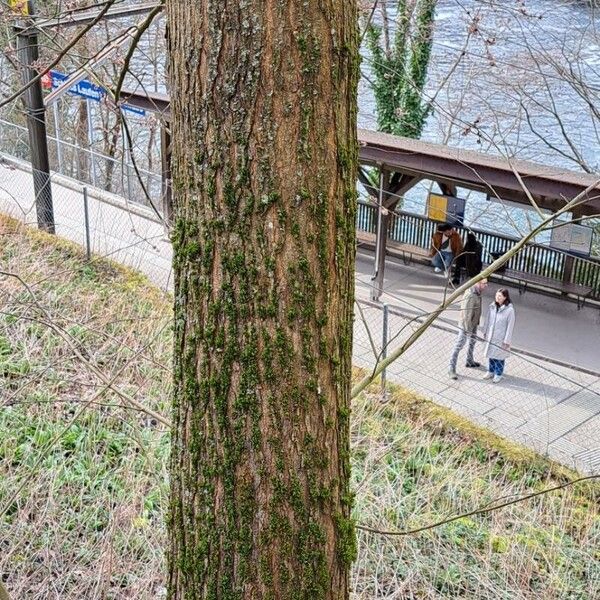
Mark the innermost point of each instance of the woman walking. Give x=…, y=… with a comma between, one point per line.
x=498, y=334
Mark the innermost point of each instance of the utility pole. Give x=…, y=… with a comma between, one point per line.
x=28, y=55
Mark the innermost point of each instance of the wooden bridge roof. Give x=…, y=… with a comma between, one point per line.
x=492, y=174
x=495, y=175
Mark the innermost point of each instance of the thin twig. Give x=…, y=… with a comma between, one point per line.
x=478, y=511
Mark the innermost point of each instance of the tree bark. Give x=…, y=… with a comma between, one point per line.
x=264, y=185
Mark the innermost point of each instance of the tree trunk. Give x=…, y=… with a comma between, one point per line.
x=264, y=180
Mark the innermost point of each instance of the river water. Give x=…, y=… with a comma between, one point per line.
x=528, y=76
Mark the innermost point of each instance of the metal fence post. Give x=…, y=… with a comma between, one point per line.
x=86, y=217
x=384, y=343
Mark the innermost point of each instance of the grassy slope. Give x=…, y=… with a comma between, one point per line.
x=89, y=520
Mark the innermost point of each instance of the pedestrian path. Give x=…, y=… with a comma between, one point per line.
x=547, y=325
x=544, y=404
x=552, y=409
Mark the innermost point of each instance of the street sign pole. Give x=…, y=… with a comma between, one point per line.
x=91, y=140
x=28, y=54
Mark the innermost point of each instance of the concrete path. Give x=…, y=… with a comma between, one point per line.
x=125, y=232
x=550, y=407
x=546, y=325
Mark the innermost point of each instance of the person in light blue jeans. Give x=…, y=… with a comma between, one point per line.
x=470, y=315
x=442, y=260
x=499, y=327
x=446, y=245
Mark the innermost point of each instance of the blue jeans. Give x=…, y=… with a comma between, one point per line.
x=496, y=366
x=442, y=259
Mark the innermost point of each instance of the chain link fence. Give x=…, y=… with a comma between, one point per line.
x=552, y=408
x=119, y=176
x=106, y=224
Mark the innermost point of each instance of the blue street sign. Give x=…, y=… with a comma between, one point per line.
x=140, y=112
x=84, y=88
x=89, y=91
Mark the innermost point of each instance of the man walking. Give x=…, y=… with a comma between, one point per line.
x=470, y=315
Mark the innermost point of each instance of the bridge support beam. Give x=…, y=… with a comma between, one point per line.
x=392, y=186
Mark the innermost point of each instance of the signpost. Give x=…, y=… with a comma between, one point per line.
x=28, y=56
x=446, y=209
x=26, y=30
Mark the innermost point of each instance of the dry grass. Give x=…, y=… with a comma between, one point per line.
x=88, y=523
x=417, y=464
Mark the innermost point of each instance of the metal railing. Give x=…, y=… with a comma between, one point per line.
x=119, y=177
x=115, y=175
x=417, y=230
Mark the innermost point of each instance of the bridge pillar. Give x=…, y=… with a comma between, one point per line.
x=391, y=189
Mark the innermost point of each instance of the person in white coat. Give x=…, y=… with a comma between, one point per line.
x=498, y=332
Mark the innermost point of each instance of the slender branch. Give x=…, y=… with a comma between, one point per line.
x=141, y=29
x=44, y=453
x=92, y=367
x=368, y=22
x=368, y=330
x=527, y=192
x=478, y=511
x=137, y=171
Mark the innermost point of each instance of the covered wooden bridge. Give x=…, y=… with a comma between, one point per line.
x=402, y=163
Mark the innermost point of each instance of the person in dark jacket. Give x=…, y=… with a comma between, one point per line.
x=470, y=259
x=470, y=315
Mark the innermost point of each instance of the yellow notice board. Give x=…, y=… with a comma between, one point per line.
x=446, y=209
x=437, y=207
x=19, y=6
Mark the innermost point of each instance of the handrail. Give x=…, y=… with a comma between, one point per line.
x=538, y=259
x=64, y=143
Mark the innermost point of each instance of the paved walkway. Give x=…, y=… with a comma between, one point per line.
x=550, y=407
x=546, y=325
x=127, y=233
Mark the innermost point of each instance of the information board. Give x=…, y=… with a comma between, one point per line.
x=446, y=209
x=573, y=238
x=19, y=6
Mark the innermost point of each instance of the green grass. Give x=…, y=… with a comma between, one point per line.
x=89, y=520
x=417, y=464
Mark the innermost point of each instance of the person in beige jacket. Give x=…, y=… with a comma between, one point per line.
x=470, y=315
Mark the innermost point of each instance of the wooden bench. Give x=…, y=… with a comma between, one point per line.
x=408, y=252
x=404, y=251
x=581, y=292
